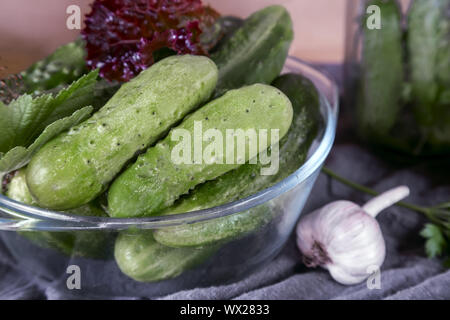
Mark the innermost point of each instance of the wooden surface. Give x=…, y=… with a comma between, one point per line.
x=31, y=29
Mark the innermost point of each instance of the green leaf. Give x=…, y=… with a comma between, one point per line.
x=79, y=94
x=65, y=65
x=24, y=119
x=19, y=157
x=436, y=243
x=61, y=68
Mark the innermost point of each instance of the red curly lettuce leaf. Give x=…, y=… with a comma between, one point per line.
x=124, y=37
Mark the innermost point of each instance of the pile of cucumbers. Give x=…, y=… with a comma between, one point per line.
x=403, y=91
x=123, y=152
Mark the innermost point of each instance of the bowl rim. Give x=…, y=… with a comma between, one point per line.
x=34, y=218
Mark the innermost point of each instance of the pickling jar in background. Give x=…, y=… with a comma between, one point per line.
x=397, y=74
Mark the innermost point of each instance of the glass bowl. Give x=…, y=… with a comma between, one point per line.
x=46, y=243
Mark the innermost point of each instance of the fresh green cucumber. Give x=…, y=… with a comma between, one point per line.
x=143, y=259
x=256, y=52
x=226, y=27
x=307, y=117
x=216, y=231
x=91, y=244
x=155, y=181
x=429, y=52
x=77, y=166
x=247, y=180
x=381, y=82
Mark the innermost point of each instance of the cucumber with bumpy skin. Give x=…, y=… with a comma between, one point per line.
x=91, y=244
x=429, y=52
x=381, y=82
x=156, y=180
x=143, y=259
x=220, y=32
x=247, y=180
x=227, y=27
x=216, y=231
x=77, y=166
x=256, y=52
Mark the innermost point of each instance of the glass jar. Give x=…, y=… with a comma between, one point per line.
x=397, y=72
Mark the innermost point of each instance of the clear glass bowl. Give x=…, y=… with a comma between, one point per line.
x=89, y=241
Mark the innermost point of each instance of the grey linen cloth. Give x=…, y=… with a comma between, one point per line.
x=406, y=273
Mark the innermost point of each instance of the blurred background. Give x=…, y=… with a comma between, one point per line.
x=30, y=30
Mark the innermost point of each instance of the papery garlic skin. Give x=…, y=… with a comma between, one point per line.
x=342, y=238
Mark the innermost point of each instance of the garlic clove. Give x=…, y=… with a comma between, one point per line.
x=341, y=275
x=353, y=262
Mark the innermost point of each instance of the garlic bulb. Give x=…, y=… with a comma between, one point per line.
x=345, y=238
